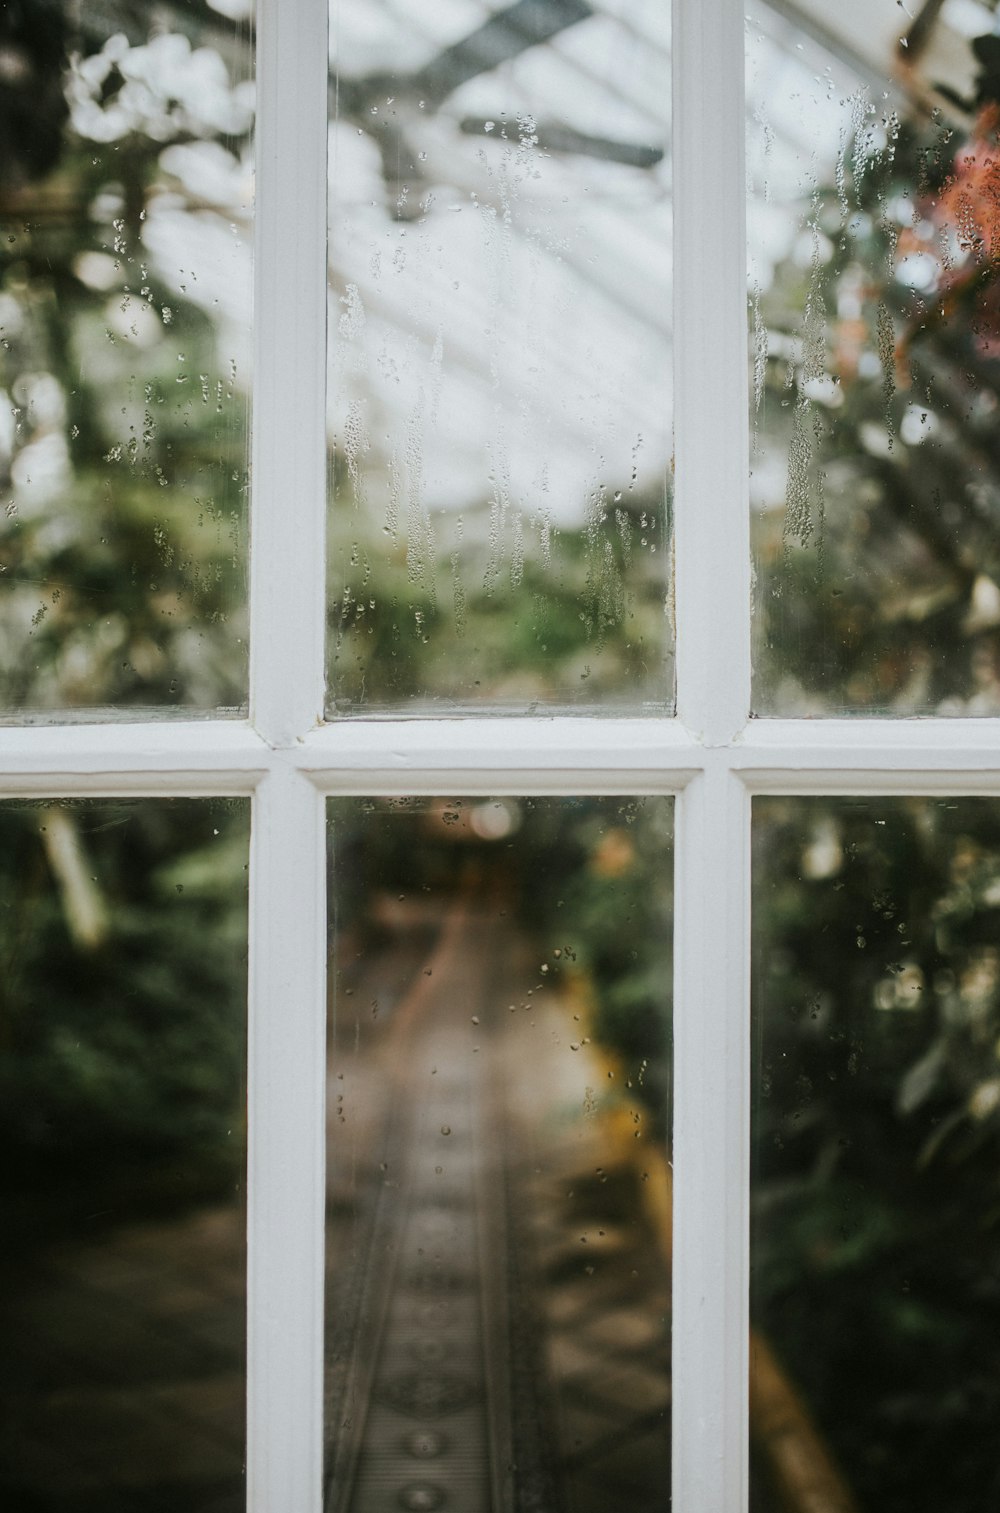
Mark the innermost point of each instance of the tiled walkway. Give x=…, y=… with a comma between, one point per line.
x=498, y=1300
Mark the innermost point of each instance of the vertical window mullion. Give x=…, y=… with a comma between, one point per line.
x=287, y=870
x=286, y=1146
x=288, y=504
x=711, y=425
x=711, y=1143
x=711, y=1008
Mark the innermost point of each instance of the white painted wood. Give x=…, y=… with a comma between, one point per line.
x=711, y=415
x=712, y=825
x=286, y=1111
x=186, y=757
x=287, y=643
x=517, y=756
x=911, y=782
x=711, y=1144
x=288, y=497
x=862, y=755
x=535, y=755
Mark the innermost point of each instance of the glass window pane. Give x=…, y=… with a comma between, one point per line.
x=500, y=230
x=874, y=152
x=499, y=1187
x=875, y=1221
x=125, y=205
x=122, y=1056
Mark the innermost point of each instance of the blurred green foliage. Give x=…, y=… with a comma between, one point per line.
x=876, y=1196
x=123, y=416
x=876, y=1207
x=123, y=475
x=877, y=380
x=597, y=884
x=122, y=1003
x=580, y=621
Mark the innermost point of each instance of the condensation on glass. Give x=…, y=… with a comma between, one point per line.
x=125, y=231
x=499, y=1183
x=500, y=407
x=122, y=1123
x=874, y=157
x=875, y=1205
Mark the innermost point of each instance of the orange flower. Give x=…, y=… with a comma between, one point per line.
x=965, y=215
x=969, y=204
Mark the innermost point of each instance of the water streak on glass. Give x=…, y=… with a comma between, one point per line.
x=122, y=1123
x=500, y=408
x=874, y=174
x=125, y=230
x=499, y=1184
x=875, y=1201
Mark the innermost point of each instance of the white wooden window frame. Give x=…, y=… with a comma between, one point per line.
x=712, y=756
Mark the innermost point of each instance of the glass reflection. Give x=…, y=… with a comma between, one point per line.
x=876, y=1125
x=500, y=230
x=498, y=1185
x=122, y=1053
x=125, y=206
x=873, y=132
